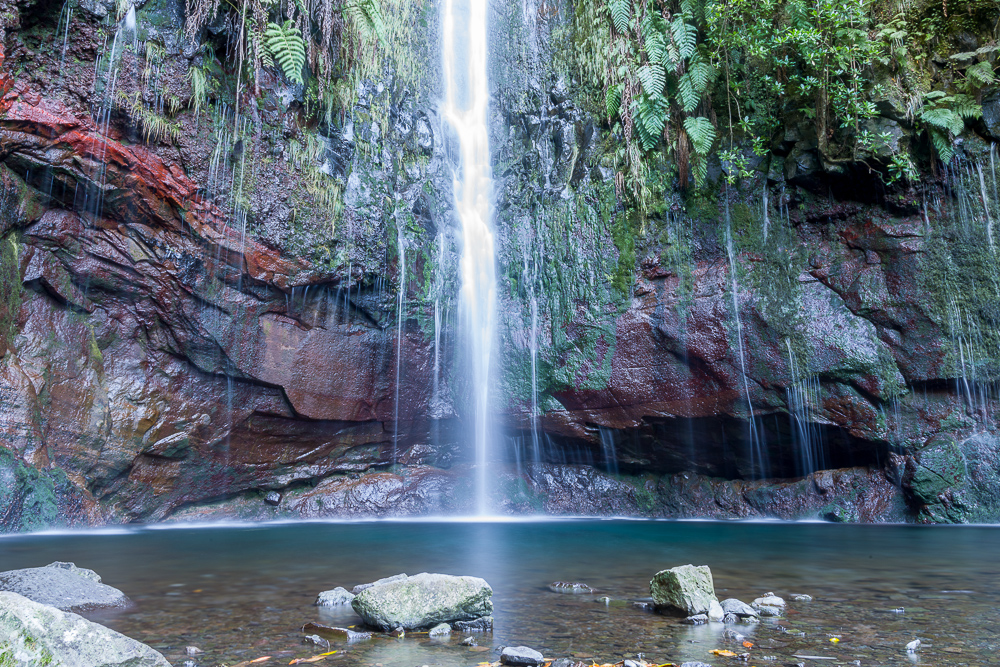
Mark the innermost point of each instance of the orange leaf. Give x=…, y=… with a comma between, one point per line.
x=723, y=652
x=748, y=644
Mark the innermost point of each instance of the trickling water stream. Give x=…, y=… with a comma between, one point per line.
x=466, y=104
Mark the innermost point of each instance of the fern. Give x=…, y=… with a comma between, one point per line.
x=367, y=18
x=701, y=73
x=653, y=29
x=651, y=114
x=701, y=133
x=288, y=48
x=942, y=143
x=943, y=119
x=689, y=97
x=685, y=37
x=979, y=75
x=653, y=79
x=613, y=102
x=621, y=14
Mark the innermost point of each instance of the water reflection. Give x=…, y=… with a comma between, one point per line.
x=241, y=593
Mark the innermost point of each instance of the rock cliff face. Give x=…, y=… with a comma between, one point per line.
x=253, y=311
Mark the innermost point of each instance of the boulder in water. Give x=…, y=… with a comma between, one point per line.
x=423, y=601
x=521, y=656
x=769, y=600
x=337, y=597
x=63, y=586
x=687, y=589
x=37, y=634
x=738, y=607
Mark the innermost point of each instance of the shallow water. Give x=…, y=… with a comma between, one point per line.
x=242, y=592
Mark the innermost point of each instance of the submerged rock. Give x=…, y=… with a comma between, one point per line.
x=340, y=634
x=802, y=597
x=440, y=630
x=737, y=607
x=37, y=634
x=687, y=588
x=767, y=610
x=521, y=656
x=63, y=586
x=769, y=600
x=337, y=597
x=483, y=624
x=424, y=600
x=572, y=588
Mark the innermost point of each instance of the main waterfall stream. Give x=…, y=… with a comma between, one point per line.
x=466, y=105
x=243, y=592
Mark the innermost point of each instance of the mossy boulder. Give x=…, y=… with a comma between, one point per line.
x=37, y=635
x=62, y=585
x=686, y=589
x=423, y=601
x=941, y=467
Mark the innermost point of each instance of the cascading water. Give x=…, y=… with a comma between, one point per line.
x=465, y=108
x=758, y=465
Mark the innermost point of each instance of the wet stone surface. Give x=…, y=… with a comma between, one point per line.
x=242, y=593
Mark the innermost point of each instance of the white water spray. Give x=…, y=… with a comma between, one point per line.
x=466, y=104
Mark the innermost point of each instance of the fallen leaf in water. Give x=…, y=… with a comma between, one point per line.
x=748, y=644
x=723, y=652
x=835, y=640
x=315, y=658
x=255, y=661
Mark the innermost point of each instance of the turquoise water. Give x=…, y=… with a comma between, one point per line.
x=243, y=592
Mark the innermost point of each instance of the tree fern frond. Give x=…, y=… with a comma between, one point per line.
x=981, y=74
x=613, y=102
x=701, y=133
x=288, y=48
x=685, y=37
x=621, y=14
x=367, y=18
x=651, y=116
x=653, y=79
x=942, y=143
x=653, y=29
x=689, y=97
x=942, y=119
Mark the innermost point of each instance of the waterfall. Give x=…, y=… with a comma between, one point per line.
x=465, y=108
x=758, y=465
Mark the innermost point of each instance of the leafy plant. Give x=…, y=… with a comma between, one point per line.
x=943, y=117
x=285, y=43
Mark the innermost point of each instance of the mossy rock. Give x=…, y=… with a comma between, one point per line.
x=423, y=601
x=37, y=635
x=941, y=467
x=688, y=589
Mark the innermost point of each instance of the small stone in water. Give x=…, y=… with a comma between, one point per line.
x=398, y=632
x=334, y=598
x=730, y=618
x=697, y=619
x=521, y=656
x=481, y=624
x=440, y=630
x=572, y=587
x=193, y=650
x=604, y=599
x=767, y=610
x=469, y=641
x=802, y=597
x=732, y=634
x=695, y=664
x=645, y=606
x=898, y=610
x=738, y=607
x=913, y=646
x=630, y=663
x=316, y=640
x=716, y=612
x=770, y=599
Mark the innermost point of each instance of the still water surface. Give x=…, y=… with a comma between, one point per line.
x=243, y=592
